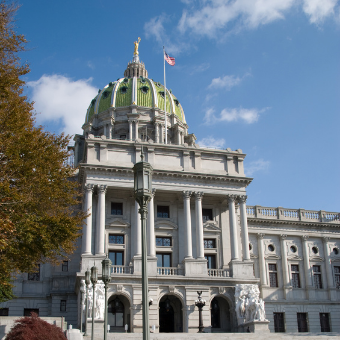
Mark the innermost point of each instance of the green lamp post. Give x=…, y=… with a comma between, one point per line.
x=143, y=193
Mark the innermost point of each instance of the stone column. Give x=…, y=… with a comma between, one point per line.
x=233, y=228
x=138, y=232
x=161, y=130
x=287, y=287
x=178, y=137
x=100, y=227
x=110, y=130
x=244, y=228
x=156, y=133
x=262, y=263
x=151, y=227
x=328, y=264
x=87, y=226
x=308, y=271
x=130, y=130
x=136, y=129
x=187, y=221
x=199, y=225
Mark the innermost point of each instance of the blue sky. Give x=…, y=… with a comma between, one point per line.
x=256, y=75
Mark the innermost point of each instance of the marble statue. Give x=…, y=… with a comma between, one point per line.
x=99, y=301
x=249, y=305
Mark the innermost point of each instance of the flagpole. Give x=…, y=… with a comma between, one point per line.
x=165, y=116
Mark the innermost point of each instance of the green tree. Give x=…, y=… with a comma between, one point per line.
x=39, y=198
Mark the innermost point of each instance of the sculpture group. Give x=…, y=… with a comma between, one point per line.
x=249, y=305
x=99, y=301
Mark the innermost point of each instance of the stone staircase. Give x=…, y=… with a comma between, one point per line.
x=219, y=336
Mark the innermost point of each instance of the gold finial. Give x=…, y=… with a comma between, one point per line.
x=136, y=46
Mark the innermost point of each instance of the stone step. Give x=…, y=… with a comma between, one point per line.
x=220, y=336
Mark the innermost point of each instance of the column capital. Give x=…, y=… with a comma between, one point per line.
x=89, y=187
x=232, y=198
x=198, y=195
x=242, y=198
x=326, y=239
x=186, y=194
x=260, y=236
x=283, y=236
x=153, y=193
x=305, y=237
x=102, y=188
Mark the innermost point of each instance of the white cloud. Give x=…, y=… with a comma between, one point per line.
x=227, y=82
x=256, y=166
x=212, y=16
x=211, y=142
x=233, y=115
x=60, y=99
x=155, y=28
x=318, y=10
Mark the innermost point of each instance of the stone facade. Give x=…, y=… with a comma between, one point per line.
x=252, y=264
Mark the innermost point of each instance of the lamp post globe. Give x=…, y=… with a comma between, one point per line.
x=106, y=277
x=143, y=194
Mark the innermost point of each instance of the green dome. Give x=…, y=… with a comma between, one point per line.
x=140, y=91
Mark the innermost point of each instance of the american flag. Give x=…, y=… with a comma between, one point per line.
x=169, y=60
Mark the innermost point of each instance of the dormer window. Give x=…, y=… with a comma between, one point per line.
x=161, y=94
x=106, y=94
x=144, y=89
x=123, y=89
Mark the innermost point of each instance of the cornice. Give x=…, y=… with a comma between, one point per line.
x=166, y=174
x=259, y=221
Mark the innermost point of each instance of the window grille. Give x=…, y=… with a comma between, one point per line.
x=207, y=215
x=295, y=276
x=272, y=275
x=163, y=241
x=209, y=243
x=116, y=239
x=337, y=276
x=116, y=208
x=163, y=211
x=317, y=277
x=279, y=323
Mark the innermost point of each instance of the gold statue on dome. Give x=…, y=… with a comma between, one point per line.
x=136, y=46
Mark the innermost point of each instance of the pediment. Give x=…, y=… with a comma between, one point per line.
x=211, y=226
x=165, y=225
x=117, y=222
x=316, y=259
x=295, y=258
x=272, y=257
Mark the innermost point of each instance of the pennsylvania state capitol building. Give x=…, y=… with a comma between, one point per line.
x=257, y=267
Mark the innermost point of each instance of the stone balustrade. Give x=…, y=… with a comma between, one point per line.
x=171, y=271
x=292, y=214
x=219, y=272
x=121, y=269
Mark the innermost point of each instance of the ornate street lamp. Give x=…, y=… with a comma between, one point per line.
x=87, y=282
x=82, y=293
x=106, y=277
x=200, y=303
x=143, y=193
x=94, y=279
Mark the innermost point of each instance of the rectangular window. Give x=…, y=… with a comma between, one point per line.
x=317, y=277
x=295, y=276
x=116, y=208
x=279, y=323
x=64, y=266
x=28, y=311
x=302, y=322
x=207, y=215
x=63, y=305
x=163, y=241
x=337, y=276
x=324, y=322
x=34, y=276
x=209, y=243
x=163, y=260
x=4, y=311
x=116, y=239
x=117, y=258
x=163, y=211
x=211, y=264
x=272, y=275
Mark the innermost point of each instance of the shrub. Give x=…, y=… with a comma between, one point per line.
x=34, y=328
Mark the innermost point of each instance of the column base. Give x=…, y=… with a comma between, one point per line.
x=152, y=265
x=137, y=264
x=288, y=292
x=195, y=267
x=241, y=269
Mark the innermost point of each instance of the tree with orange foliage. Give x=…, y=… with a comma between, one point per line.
x=40, y=214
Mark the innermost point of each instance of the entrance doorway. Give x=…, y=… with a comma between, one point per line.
x=118, y=313
x=170, y=314
x=220, y=315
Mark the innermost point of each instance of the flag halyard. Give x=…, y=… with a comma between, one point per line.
x=168, y=59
